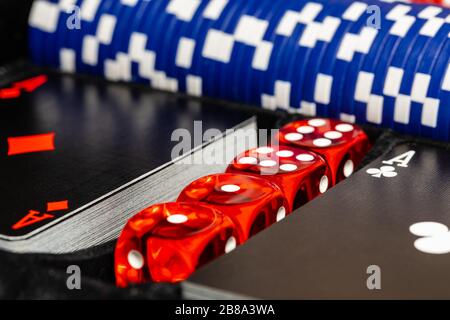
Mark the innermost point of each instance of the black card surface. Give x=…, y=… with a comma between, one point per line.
x=94, y=137
x=382, y=233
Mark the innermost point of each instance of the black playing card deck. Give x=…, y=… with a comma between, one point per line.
x=72, y=173
x=107, y=154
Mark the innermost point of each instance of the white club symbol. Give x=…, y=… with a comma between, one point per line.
x=384, y=171
x=434, y=237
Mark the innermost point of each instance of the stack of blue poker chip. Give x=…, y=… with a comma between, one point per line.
x=379, y=62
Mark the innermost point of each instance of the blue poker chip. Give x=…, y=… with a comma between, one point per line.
x=326, y=50
x=226, y=72
x=190, y=72
x=142, y=21
x=318, y=77
x=429, y=61
x=288, y=66
x=445, y=103
x=157, y=35
x=179, y=51
x=85, y=42
x=394, y=116
x=441, y=76
x=160, y=38
x=33, y=35
x=424, y=113
x=146, y=71
x=316, y=53
x=262, y=80
x=49, y=39
x=285, y=68
x=136, y=27
x=257, y=80
x=187, y=53
x=375, y=112
x=68, y=50
x=344, y=99
x=415, y=79
x=200, y=75
x=435, y=112
x=64, y=55
x=266, y=97
x=216, y=70
x=115, y=13
x=362, y=111
x=322, y=61
x=213, y=67
x=410, y=72
x=38, y=28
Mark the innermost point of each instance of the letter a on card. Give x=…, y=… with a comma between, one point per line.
x=31, y=218
x=401, y=160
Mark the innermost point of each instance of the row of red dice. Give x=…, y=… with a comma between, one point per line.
x=168, y=242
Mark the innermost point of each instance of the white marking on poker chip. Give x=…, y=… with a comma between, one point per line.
x=44, y=16
x=305, y=129
x=248, y=160
x=185, y=53
x=439, y=244
x=89, y=10
x=344, y=127
x=288, y=167
x=182, y=9
x=105, y=29
x=305, y=157
x=323, y=184
x=284, y=153
x=317, y=122
x=268, y=163
x=177, y=218
x=322, y=142
x=135, y=259
x=230, y=188
x=281, y=214
x=349, y=166
x=333, y=135
x=67, y=60
x=293, y=136
x=130, y=3
x=264, y=150
x=230, y=245
x=427, y=228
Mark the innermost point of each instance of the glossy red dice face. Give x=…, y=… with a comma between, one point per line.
x=252, y=203
x=167, y=242
x=300, y=174
x=343, y=145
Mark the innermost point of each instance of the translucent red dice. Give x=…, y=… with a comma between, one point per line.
x=251, y=202
x=167, y=242
x=342, y=145
x=300, y=174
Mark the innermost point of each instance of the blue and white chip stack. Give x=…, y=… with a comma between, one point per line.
x=379, y=62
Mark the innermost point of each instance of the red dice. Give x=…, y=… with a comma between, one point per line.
x=252, y=203
x=167, y=242
x=300, y=174
x=342, y=145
